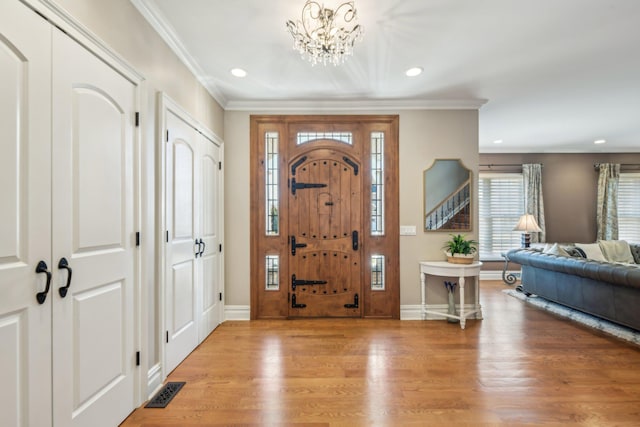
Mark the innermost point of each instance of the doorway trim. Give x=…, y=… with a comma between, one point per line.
x=273, y=304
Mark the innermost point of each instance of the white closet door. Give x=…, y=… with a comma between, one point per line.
x=93, y=186
x=182, y=216
x=210, y=311
x=25, y=217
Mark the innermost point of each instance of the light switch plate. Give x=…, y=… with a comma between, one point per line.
x=407, y=230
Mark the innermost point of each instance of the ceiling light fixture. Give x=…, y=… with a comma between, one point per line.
x=238, y=72
x=324, y=35
x=599, y=141
x=415, y=71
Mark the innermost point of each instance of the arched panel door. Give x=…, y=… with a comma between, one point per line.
x=324, y=232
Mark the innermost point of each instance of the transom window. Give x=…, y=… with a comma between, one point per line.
x=344, y=137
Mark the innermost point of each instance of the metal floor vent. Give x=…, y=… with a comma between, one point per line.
x=164, y=396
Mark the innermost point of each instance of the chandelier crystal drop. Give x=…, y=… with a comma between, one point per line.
x=324, y=35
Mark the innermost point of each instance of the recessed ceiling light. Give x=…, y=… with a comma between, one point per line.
x=599, y=141
x=497, y=141
x=415, y=71
x=238, y=72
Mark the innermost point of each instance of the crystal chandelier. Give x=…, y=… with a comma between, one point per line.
x=326, y=35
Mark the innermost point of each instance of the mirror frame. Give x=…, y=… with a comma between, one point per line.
x=424, y=196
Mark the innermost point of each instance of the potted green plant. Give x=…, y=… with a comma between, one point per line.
x=460, y=250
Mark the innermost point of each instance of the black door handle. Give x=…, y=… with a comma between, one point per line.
x=42, y=268
x=198, y=250
x=203, y=247
x=64, y=265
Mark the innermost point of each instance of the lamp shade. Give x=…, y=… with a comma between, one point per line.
x=527, y=224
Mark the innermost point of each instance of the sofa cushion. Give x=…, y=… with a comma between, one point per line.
x=635, y=251
x=616, y=251
x=575, y=251
x=592, y=251
x=555, y=249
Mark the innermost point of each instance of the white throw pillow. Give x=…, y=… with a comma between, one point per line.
x=592, y=250
x=616, y=251
x=555, y=249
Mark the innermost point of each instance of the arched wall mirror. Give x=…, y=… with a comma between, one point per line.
x=447, y=196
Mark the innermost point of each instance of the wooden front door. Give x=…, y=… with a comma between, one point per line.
x=324, y=231
x=324, y=217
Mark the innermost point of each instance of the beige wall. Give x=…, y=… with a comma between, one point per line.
x=121, y=27
x=569, y=186
x=424, y=136
x=119, y=24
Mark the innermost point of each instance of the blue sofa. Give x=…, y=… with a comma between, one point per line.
x=604, y=289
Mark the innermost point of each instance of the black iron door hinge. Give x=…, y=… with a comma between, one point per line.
x=137, y=358
x=137, y=238
x=137, y=119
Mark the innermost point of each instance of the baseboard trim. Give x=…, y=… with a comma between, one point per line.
x=237, y=312
x=407, y=311
x=154, y=380
x=410, y=312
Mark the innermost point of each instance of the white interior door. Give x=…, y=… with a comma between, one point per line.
x=210, y=263
x=182, y=217
x=93, y=187
x=25, y=217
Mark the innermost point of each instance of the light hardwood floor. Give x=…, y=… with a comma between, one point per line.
x=518, y=366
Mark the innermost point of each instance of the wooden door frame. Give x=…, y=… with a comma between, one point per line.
x=274, y=303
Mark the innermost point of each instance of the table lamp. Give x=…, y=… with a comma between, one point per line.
x=527, y=224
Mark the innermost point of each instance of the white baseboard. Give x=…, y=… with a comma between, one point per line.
x=407, y=311
x=411, y=312
x=154, y=380
x=237, y=312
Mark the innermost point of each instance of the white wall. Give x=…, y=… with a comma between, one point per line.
x=424, y=136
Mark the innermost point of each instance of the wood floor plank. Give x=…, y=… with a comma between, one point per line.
x=517, y=366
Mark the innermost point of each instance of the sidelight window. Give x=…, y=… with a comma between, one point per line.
x=344, y=137
x=272, y=189
x=377, y=272
x=272, y=282
x=377, y=183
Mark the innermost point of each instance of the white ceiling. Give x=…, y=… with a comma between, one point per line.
x=555, y=74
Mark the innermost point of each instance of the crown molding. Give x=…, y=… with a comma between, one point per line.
x=356, y=105
x=159, y=23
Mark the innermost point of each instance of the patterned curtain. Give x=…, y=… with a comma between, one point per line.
x=607, y=205
x=533, y=202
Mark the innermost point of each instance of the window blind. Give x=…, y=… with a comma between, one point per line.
x=629, y=207
x=501, y=203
